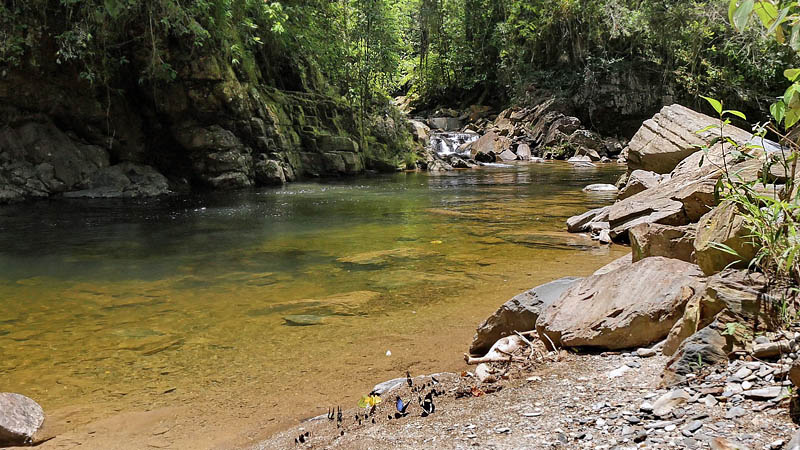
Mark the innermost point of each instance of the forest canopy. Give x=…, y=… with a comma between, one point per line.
x=434, y=51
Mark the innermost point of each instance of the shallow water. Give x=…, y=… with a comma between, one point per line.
x=282, y=293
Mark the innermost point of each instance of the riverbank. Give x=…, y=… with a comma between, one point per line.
x=724, y=340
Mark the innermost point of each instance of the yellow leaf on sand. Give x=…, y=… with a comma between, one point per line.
x=436, y=242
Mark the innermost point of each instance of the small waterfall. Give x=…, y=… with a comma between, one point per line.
x=447, y=143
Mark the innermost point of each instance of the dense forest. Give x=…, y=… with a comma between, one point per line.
x=436, y=51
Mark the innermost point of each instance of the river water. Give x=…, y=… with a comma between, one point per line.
x=293, y=294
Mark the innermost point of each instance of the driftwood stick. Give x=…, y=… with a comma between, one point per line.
x=491, y=358
x=525, y=340
x=551, y=342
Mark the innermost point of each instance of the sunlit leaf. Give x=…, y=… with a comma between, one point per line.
x=791, y=74
x=742, y=14
x=716, y=104
x=735, y=113
x=778, y=111
x=767, y=12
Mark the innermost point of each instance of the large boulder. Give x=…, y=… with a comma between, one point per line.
x=20, y=419
x=420, y=132
x=124, y=180
x=680, y=201
x=652, y=239
x=638, y=181
x=491, y=144
x=518, y=314
x=445, y=123
x=724, y=225
x=671, y=135
x=611, y=311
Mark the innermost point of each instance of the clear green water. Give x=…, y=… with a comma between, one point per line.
x=116, y=303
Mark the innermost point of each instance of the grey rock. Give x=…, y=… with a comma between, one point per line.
x=669, y=401
x=20, y=419
x=518, y=314
x=767, y=393
x=386, y=386
x=735, y=412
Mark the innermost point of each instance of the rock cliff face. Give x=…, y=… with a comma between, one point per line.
x=208, y=127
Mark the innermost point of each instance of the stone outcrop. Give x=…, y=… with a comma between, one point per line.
x=518, y=314
x=650, y=239
x=671, y=136
x=723, y=225
x=612, y=312
x=20, y=419
x=210, y=126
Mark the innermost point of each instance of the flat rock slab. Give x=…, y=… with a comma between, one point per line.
x=633, y=306
x=20, y=419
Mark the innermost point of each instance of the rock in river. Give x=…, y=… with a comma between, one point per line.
x=301, y=320
x=633, y=306
x=20, y=419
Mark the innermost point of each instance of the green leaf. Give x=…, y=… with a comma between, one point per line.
x=735, y=113
x=742, y=14
x=704, y=129
x=778, y=111
x=716, y=104
x=791, y=74
x=767, y=12
x=114, y=7
x=792, y=116
x=794, y=39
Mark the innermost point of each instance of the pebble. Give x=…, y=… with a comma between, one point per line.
x=502, y=430
x=693, y=426
x=659, y=424
x=767, y=393
x=645, y=352
x=618, y=372
x=735, y=412
x=709, y=401
x=646, y=407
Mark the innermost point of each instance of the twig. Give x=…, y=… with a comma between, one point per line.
x=552, y=345
x=530, y=344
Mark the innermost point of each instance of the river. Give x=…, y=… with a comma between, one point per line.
x=289, y=298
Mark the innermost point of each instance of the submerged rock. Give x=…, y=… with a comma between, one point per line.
x=20, y=419
x=601, y=188
x=300, y=320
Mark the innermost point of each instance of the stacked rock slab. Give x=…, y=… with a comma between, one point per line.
x=671, y=135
